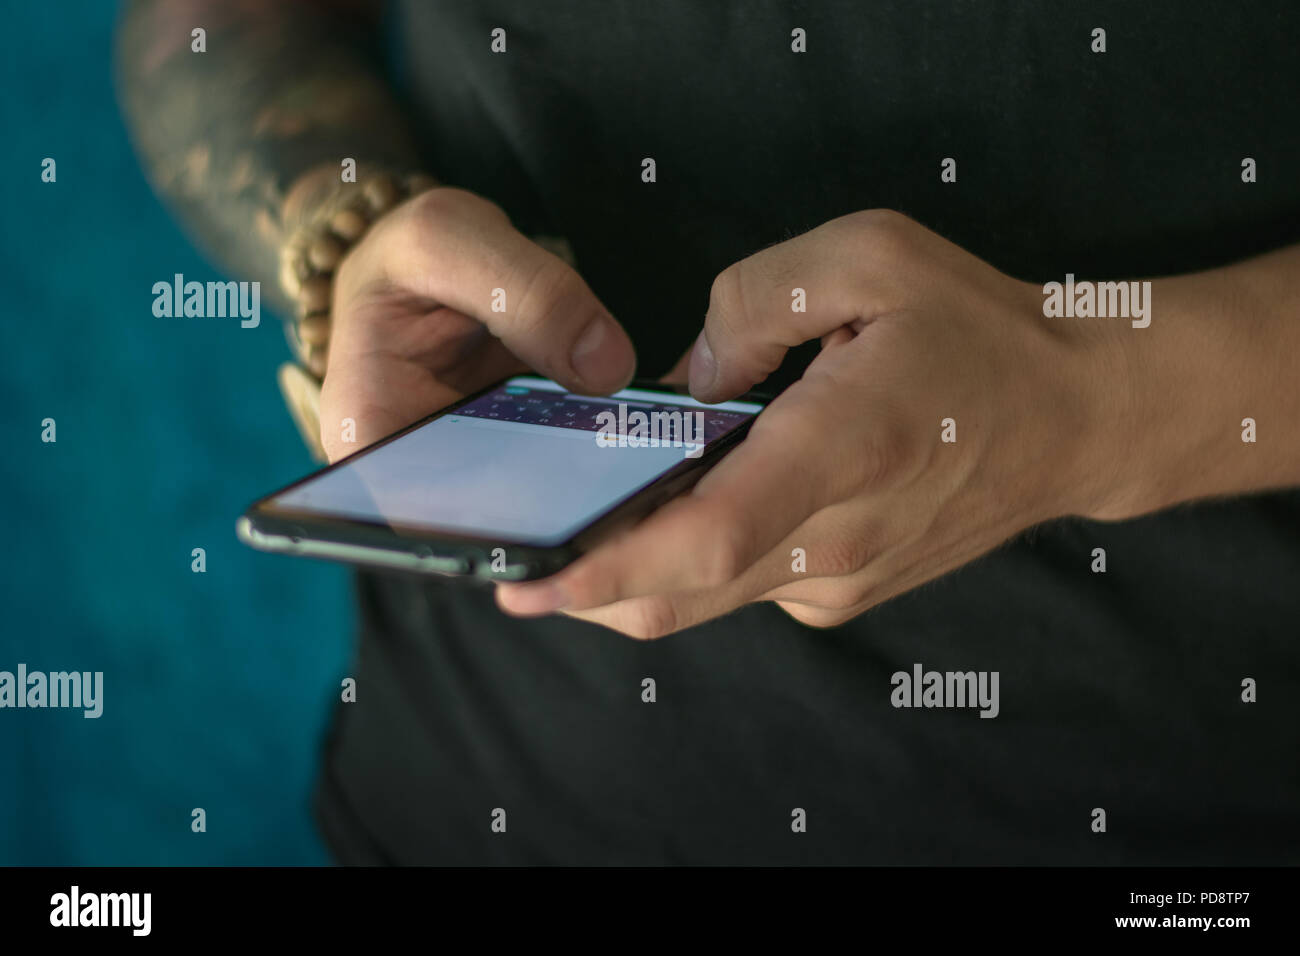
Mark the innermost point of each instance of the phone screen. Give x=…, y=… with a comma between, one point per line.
x=526, y=462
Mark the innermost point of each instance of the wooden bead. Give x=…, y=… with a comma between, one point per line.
x=302, y=395
x=297, y=243
x=381, y=193
x=316, y=360
x=289, y=281
x=314, y=329
x=349, y=224
x=325, y=252
x=315, y=295
x=296, y=344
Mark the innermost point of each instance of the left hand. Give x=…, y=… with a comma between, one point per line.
x=849, y=464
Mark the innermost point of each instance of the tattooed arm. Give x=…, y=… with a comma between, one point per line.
x=244, y=137
x=282, y=90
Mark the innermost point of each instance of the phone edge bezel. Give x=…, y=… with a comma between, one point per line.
x=342, y=538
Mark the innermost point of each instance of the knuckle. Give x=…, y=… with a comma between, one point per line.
x=785, y=425
x=420, y=230
x=882, y=221
x=779, y=266
x=842, y=556
x=450, y=203
x=550, y=290
x=816, y=617
x=723, y=558
x=851, y=593
x=650, y=618
x=851, y=596
x=434, y=223
x=727, y=296
x=724, y=288
x=882, y=232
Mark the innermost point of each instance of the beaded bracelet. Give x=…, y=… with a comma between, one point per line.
x=309, y=258
x=307, y=263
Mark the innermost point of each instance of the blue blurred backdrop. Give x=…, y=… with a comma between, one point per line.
x=217, y=686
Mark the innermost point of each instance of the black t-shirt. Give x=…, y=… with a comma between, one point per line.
x=1119, y=690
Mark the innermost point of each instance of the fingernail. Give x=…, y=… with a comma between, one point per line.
x=540, y=598
x=704, y=368
x=600, y=355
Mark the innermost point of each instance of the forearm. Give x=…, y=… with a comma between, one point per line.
x=282, y=89
x=1223, y=346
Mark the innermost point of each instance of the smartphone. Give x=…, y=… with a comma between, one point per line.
x=510, y=484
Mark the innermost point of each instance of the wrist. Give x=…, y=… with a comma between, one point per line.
x=1187, y=382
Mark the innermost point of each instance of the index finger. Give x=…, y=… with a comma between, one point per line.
x=463, y=253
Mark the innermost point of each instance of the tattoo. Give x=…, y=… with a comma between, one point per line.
x=282, y=87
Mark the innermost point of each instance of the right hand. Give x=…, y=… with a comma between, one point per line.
x=413, y=328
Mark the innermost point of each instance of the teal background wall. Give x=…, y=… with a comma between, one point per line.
x=217, y=686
